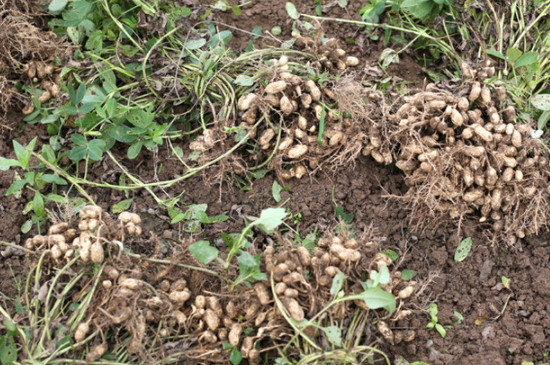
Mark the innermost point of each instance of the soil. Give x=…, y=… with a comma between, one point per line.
x=514, y=323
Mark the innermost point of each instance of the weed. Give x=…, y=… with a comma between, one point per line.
x=33, y=181
x=432, y=311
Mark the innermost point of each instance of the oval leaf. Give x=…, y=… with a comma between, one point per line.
x=121, y=206
x=463, y=249
x=541, y=101
x=291, y=10
x=526, y=59
x=203, y=252
x=377, y=298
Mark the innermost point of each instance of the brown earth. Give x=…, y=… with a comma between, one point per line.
x=471, y=288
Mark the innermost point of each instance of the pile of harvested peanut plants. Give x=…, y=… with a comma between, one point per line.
x=294, y=122
x=465, y=153
x=135, y=299
x=27, y=54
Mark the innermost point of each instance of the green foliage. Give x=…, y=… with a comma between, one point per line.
x=84, y=150
x=433, y=311
x=8, y=347
x=408, y=274
x=291, y=10
x=223, y=5
x=371, y=12
x=463, y=249
x=425, y=9
x=235, y=356
x=194, y=217
x=203, y=252
x=391, y=254
x=276, y=190
x=121, y=206
x=34, y=180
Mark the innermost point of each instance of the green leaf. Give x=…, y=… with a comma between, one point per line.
x=337, y=283
x=377, y=298
x=342, y=3
x=80, y=92
x=121, y=206
x=64, y=342
x=53, y=179
x=321, y=127
x=244, y=80
x=6, y=163
x=276, y=191
x=203, y=252
x=541, y=101
x=8, y=350
x=235, y=356
x=193, y=44
x=134, y=149
x=26, y=227
x=247, y=261
x=79, y=139
x=309, y=241
x=423, y=10
x=347, y=218
x=439, y=328
x=78, y=153
x=224, y=36
x=48, y=153
x=497, y=54
x=259, y=173
x=270, y=219
x=526, y=59
x=543, y=120
x=407, y=274
x=236, y=10
x=391, y=254
x=334, y=335
x=276, y=30
x=121, y=133
x=19, y=151
x=178, y=218
x=57, y=5
x=460, y=317
x=513, y=54
x=38, y=204
x=433, y=310
x=16, y=186
x=505, y=282
x=56, y=198
x=291, y=10
x=463, y=249
x=384, y=275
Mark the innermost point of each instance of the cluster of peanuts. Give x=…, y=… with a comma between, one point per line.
x=88, y=239
x=329, y=54
x=38, y=71
x=332, y=254
x=481, y=160
x=59, y=240
x=299, y=102
x=170, y=303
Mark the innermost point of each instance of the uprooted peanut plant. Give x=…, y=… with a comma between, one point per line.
x=122, y=301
